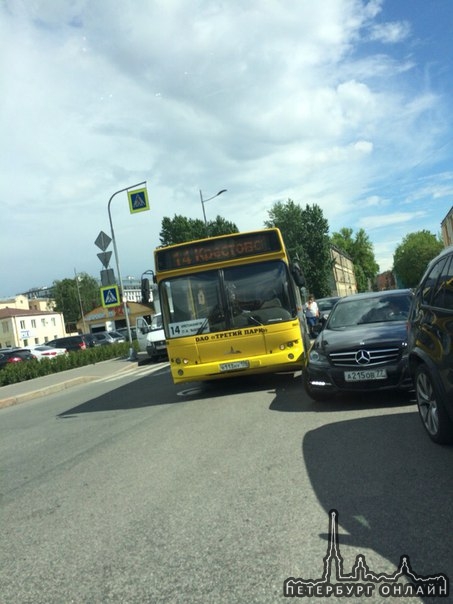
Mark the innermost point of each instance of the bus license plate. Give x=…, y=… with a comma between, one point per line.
x=234, y=365
x=365, y=374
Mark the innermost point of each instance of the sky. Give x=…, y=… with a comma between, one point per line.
x=345, y=104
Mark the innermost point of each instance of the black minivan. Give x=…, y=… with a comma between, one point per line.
x=71, y=343
x=430, y=347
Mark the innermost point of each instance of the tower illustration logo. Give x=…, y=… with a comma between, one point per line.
x=362, y=581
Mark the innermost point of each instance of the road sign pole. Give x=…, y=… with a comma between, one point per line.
x=117, y=261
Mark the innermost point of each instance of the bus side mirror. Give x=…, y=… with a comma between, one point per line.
x=297, y=274
x=145, y=291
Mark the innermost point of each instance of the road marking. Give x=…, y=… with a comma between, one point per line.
x=135, y=374
x=189, y=392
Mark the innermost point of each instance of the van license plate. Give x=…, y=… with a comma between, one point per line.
x=365, y=374
x=234, y=365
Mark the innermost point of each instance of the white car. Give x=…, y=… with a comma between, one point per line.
x=47, y=352
x=102, y=338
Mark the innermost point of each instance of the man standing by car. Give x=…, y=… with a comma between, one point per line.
x=312, y=314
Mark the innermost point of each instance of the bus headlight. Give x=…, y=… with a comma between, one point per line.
x=180, y=361
x=288, y=344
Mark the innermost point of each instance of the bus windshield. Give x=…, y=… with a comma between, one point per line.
x=229, y=298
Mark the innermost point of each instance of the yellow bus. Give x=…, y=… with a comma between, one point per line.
x=231, y=305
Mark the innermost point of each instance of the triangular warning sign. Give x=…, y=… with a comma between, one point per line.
x=138, y=201
x=110, y=297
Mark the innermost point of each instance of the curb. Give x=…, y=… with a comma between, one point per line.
x=26, y=396
x=52, y=388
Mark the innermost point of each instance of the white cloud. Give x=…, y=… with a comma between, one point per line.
x=270, y=100
x=390, y=33
x=379, y=221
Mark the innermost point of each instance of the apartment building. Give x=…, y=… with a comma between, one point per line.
x=27, y=322
x=447, y=228
x=343, y=281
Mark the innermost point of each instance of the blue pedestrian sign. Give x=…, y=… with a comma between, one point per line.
x=138, y=200
x=110, y=296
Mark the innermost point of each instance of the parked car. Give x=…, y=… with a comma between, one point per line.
x=90, y=340
x=123, y=332
x=43, y=351
x=325, y=305
x=102, y=338
x=362, y=347
x=15, y=355
x=430, y=347
x=71, y=343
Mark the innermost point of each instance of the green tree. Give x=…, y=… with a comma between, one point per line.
x=305, y=232
x=70, y=293
x=220, y=226
x=413, y=254
x=289, y=218
x=360, y=249
x=181, y=229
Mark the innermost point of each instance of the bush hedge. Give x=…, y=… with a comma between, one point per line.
x=28, y=370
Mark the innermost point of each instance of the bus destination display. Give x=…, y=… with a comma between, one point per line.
x=218, y=250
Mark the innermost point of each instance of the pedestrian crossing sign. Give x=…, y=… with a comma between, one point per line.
x=138, y=200
x=110, y=296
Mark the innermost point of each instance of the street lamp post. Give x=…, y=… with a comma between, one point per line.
x=80, y=301
x=115, y=250
x=203, y=201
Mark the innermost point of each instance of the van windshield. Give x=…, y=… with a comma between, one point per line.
x=156, y=323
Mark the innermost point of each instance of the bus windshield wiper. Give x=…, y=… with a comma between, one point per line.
x=253, y=319
x=202, y=326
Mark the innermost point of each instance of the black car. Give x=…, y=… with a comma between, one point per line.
x=362, y=347
x=15, y=355
x=71, y=343
x=90, y=340
x=430, y=347
x=325, y=305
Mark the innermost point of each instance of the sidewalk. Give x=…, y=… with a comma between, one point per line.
x=48, y=384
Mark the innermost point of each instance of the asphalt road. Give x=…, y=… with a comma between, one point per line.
x=134, y=490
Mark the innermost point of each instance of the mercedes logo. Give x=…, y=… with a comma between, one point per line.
x=362, y=357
